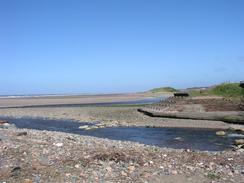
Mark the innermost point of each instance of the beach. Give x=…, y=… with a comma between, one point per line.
x=69, y=100
x=29, y=155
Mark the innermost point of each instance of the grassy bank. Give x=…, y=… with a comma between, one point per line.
x=225, y=90
x=163, y=90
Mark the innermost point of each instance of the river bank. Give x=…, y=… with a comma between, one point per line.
x=111, y=116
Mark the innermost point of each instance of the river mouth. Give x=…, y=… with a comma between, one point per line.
x=176, y=138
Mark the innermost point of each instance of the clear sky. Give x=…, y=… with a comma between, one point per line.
x=102, y=46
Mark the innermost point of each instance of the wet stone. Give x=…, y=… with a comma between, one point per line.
x=21, y=134
x=220, y=133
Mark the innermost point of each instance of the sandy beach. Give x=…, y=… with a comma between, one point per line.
x=73, y=99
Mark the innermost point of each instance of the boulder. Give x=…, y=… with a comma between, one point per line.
x=239, y=142
x=220, y=133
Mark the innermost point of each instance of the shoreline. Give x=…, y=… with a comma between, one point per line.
x=111, y=116
x=75, y=100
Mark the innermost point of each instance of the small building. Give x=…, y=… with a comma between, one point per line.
x=181, y=94
x=242, y=84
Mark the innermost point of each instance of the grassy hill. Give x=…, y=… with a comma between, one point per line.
x=225, y=90
x=163, y=90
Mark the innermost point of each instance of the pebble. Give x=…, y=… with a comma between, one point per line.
x=77, y=166
x=131, y=168
x=123, y=173
x=28, y=181
x=84, y=127
x=178, y=138
x=108, y=169
x=146, y=175
x=191, y=168
x=58, y=144
x=174, y=172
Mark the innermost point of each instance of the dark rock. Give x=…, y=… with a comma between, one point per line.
x=17, y=168
x=21, y=134
x=2, y=122
x=16, y=171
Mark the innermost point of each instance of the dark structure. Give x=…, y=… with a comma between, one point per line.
x=181, y=94
x=242, y=100
x=242, y=84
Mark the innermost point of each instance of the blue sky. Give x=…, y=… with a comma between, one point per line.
x=78, y=46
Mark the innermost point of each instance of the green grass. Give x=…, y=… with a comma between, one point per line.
x=163, y=89
x=225, y=90
x=212, y=175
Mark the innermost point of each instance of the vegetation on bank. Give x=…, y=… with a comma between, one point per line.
x=163, y=90
x=225, y=90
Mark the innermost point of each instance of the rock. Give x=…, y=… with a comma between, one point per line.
x=77, y=166
x=239, y=142
x=178, y=139
x=146, y=175
x=174, y=172
x=3, y=122
x=28, y=181
x=84, y=127
x=131, y=168
x=220, y=133
x=108, y=169
x=21, y=134
x=16, y=171
x=191, y=168
x=124, y=173
x=58, y=144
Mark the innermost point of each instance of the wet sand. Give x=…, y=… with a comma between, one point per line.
x=73, y=99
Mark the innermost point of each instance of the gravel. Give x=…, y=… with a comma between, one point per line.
x=42, y=156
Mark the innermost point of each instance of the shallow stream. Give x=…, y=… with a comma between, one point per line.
x=187, y=138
